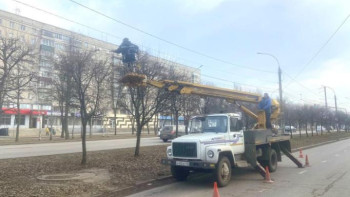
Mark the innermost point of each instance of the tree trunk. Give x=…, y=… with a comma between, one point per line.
x=312, y=128
x=90, y=129
x=62, y=121
x=147, y=128
x=83, y=141
x=299, y=125
x=307, y=134
x=291, y=132
x=115, y=122
x=176, y=119
x=132, y=125
x=73, y=126
x=66, y=131
x=155, y=124
x=138, y=140
x=18, y=117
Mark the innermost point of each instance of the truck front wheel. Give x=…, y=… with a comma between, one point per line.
x=179, y=173
x=223, y=172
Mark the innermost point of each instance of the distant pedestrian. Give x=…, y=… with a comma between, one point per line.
x=47, y=131
x=265, y=104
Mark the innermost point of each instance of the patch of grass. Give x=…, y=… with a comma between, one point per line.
x=297, y=142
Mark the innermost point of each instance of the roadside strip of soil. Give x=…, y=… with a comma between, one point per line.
x=126, y=174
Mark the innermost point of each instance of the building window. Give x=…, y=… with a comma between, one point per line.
x=10, y=35
x=46, y=107
x=36, y=107
x=24, y=106
x=12, y=24
x=22, y=121
x=58, y=36
x=22, y=39
x=33, y=40
x=5, y=119
x=47, y=33
x=23, y=28
x=35, y=31
x=45, y=64
x=65, y=38
x=48, y=42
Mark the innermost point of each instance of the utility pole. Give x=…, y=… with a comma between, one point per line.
x=325, y=95
x=336, y=112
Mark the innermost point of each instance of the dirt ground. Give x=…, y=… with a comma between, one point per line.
x=19, y=176
x=107, y=171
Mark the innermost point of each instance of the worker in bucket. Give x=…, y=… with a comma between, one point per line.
x=265, y=104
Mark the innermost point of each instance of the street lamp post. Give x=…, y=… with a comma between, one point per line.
x=280, y=87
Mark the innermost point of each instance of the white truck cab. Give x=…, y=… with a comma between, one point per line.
x=211, y=138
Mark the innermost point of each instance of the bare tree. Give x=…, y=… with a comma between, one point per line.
x=89, y=77
x=63, y=85
x=143, y=102
x=13, y=54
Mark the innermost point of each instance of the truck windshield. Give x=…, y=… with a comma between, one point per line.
x=215, y=124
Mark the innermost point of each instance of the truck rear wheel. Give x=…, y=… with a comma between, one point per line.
x=179, y=173
x=272, y=163
x=223, y=172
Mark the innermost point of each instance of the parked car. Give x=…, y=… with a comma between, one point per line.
x=290, y=129
x=169, y=132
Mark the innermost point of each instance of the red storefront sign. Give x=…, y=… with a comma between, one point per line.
x=23, y=111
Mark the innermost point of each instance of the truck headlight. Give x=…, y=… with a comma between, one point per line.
x=210, y=154
x=169, y=152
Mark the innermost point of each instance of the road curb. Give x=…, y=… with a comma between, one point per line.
x=141, y=186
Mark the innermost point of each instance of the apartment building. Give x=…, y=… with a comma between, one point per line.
x=36, y=108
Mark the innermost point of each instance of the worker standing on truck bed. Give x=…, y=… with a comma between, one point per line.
x=265, y=104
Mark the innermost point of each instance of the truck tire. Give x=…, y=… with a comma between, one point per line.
x=223, y=172
x=165, y=140
x=179, y=173
x=272, y=163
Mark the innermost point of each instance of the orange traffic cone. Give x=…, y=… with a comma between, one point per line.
x=301, y=153
x=267, y=176
x=216, y=191
x=307, y=164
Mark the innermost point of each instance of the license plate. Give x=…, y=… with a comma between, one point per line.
x=182, y=163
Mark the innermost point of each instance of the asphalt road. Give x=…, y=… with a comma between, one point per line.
x=28, y=150
x=328, y=176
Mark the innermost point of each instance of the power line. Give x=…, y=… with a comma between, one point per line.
x=233, y=82
x=301, y=85
x=322, y=47
x=167, y=41
x=89, y=27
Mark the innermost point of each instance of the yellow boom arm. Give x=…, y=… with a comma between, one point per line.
x=182, y=87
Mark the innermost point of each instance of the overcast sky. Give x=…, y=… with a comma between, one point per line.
x=231, y=32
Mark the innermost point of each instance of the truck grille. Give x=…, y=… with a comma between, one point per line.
x=184, y=149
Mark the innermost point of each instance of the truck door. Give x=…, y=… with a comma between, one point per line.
x=236, y=138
